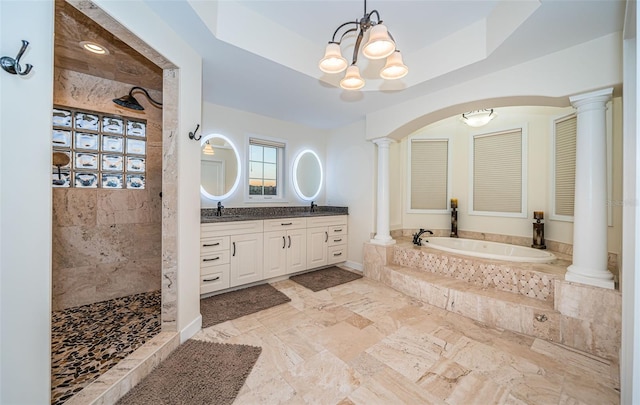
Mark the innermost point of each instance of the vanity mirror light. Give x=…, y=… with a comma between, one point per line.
x=220, y=168
x=307, y=175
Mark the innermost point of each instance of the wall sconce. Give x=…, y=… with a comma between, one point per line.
x=208, y=149
x=478, y=118
x=130, y=102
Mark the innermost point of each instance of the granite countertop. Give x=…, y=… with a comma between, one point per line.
x=207, y=215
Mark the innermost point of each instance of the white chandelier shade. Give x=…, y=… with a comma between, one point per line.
x=380, y=45
x=333, y=62
x=352, y=79
x=394, y=68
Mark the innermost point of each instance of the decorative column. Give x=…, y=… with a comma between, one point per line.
x=383, y=235
x=590, y=206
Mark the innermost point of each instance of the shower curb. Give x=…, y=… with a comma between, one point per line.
x=117, y=381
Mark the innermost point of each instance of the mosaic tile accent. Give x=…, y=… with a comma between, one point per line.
x=505, y=277
x=87, y=341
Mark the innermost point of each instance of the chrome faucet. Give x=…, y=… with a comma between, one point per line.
x=219, y=211
x=416, y=236
x=313, y=206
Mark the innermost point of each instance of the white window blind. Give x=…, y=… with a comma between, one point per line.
x=429, y=167
x=565, y=165
x=497, y=172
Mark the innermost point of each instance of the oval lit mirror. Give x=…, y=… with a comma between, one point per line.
x=219, y=167
x=307, y=175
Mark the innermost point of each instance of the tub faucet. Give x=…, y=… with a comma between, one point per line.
x=219, y=211
x=416, y=236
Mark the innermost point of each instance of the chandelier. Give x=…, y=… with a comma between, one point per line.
x=380, y=45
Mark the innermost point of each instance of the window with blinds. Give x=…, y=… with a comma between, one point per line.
x=498, y=172
x=565, y=165
x=265, y=168
x=429, y=174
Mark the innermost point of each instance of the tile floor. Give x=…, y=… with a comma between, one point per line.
x=88, y=340
x=365, y=343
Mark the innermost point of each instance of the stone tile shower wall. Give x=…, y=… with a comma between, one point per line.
x=107, y=243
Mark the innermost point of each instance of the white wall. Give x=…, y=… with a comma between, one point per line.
x=25, y=205
x=548, y=80
x=351, y=180
x=146, y=25
x=239, y=125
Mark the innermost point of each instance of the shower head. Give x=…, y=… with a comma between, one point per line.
x=130, y=102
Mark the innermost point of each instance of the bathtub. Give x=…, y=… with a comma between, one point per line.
x=489, y=250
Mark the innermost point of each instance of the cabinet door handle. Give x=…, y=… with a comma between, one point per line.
x=211, y=244
x=286, y=224
x=289, y=236
x=326, y=236
x=337, y=230
x=234, y=250
x=211, y=279
x=338, y=240
x=210, y=260
x=284, y=242
x=338, y=254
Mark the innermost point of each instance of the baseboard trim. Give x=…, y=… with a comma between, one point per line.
x=191, y=329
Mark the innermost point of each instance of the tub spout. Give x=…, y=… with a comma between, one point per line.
x=416, y=236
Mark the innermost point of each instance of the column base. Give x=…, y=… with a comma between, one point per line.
x=383, y=240
x=604, y=282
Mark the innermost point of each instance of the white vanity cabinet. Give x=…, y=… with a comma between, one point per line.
x=326, y=240
x=235, y=253
x=239, y=248
x=285, y=246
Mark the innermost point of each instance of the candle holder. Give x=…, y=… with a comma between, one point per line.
x=454, y=218
x=538, y=231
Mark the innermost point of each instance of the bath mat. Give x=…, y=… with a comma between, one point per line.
x=234, y=304
x=196, y=372
x=325, y=278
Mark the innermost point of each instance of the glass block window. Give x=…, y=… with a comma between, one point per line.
x=102, y=151
x=265, y=168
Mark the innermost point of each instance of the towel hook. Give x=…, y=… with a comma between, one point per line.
x=13, y=65
x=192, y=135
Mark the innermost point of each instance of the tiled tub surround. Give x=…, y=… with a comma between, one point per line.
x=88, y=340
x=533, y=299
x=252, y=213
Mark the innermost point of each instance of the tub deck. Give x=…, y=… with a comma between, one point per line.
x=528, y=298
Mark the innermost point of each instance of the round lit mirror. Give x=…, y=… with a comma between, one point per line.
x=307, y=175
x=219, y=167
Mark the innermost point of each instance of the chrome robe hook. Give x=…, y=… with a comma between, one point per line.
x=13, y=65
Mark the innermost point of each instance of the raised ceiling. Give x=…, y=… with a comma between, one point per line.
x=122, y=64
x=261, y=56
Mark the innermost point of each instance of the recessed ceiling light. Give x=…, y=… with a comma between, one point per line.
x=95, y=48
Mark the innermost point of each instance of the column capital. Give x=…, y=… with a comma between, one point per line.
x=599, y=96
x=383, y=142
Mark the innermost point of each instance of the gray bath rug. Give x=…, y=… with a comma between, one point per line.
x=325, y=278
x=234, y=304
x=196, y=372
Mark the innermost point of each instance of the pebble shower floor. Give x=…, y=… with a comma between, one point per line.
x=88, y=340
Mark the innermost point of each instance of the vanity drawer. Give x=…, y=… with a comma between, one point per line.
x=335, y=240
x=284, y=224
x=337, y=230
x=216, y=279
x=214, y=259
x=214, y=244
x=336, y=254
